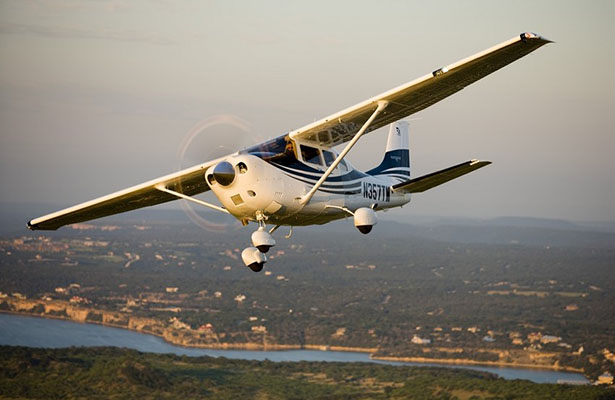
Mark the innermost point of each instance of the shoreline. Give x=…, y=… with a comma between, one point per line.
x=466, y=361
x=211, y=346
x=316, y=347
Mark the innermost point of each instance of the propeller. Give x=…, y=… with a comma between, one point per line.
x=211, y=138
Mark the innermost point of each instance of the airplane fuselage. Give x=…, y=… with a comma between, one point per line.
x=275, y=188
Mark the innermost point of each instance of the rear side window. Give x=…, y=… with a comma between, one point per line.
x=310, y=154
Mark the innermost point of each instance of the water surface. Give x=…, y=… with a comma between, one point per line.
x=17, y=330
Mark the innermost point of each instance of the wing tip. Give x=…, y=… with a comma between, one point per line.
x=31, y=226
x=481, y=162
x=530, y=36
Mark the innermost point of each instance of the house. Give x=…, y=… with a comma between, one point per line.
x=259, y=329
x=79, y=300
x=545, y=339
x=418, y=340
x=177, y=324
x=605, y=379
x=608, y=355
x=172, y=290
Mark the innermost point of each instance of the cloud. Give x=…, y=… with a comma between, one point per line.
x=82, y=33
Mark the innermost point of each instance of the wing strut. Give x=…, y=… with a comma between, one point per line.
x=162, y=188
x=382, y=104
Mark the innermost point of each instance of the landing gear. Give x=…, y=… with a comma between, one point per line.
x=256, y=267
x=253, y=259
x=262, y=240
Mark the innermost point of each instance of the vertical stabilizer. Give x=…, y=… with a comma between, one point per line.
x=396, y=161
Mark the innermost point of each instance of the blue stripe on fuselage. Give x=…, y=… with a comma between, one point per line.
x=392, y=159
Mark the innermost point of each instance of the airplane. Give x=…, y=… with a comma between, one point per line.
x=298, y=179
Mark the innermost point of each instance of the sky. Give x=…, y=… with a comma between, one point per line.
x=96, y=96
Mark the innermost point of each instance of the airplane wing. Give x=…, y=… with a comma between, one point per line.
x=418, y=94
x=434, y=179
x=189, y=181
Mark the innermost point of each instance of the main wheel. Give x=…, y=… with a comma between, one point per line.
x=256, y=267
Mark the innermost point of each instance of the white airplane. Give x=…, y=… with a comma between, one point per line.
x=298, y=179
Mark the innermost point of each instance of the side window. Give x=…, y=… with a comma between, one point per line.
x=310, y=155
x=329, y=157
x=343, y=166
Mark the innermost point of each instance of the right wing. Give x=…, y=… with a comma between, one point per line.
x=418, y=94
x=434, y=179
x=189, y=181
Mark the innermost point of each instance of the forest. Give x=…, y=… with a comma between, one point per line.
x=104, y=373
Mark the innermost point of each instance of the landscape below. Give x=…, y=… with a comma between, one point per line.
x=502, y=293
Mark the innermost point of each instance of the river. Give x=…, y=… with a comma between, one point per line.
x=16, y=330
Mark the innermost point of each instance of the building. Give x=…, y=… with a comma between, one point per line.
x=418, y=340
x=608, y=355
x=177, y=324
x=259, y=329
x=605, y=379
x=545, y=339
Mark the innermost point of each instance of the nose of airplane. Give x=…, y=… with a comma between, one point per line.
x=224, y=173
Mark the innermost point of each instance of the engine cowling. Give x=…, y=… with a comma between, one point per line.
x=364, y=219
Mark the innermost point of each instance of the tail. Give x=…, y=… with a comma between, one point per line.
x=396, y=162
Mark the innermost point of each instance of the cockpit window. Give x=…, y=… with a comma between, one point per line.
x=328, y=156
x=310, y=155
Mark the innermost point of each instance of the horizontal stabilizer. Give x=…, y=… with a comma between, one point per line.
x=434, y=179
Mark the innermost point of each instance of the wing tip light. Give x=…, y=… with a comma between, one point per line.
x=475, y=161
x=525, y=36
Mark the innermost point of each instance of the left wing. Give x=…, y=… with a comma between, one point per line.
x=418, y=94
x=189, y=181
x=434, y=179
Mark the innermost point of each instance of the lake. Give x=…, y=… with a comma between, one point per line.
x=16, y=330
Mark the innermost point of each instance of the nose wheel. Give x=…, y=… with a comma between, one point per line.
x=254, y=257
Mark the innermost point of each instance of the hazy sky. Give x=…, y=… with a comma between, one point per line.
x=96, y=96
